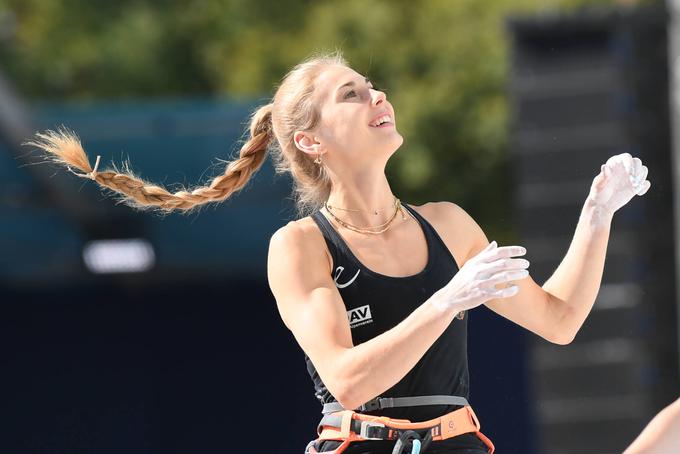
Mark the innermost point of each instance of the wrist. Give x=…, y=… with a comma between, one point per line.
x=443, y=306
x=597, y=216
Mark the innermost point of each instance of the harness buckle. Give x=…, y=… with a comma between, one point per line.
x=371, y=405
x=368, y=425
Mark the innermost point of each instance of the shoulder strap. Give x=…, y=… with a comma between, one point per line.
x=422, y=220
x=329, y=234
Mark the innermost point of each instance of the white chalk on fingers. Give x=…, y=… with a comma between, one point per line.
x=506, y=292
x=522, y=274
x=510, y=291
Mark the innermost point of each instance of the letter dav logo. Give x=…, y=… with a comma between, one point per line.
x=359, y=316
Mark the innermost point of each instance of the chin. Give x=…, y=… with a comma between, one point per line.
x=394, y=145
x=398, y=141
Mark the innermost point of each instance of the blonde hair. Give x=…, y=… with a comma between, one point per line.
x=271, y=129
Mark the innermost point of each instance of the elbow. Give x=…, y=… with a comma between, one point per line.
x=351, y=387
x=563, y=329
x=562, y=340
x=561, y=337
x=351, y=391
x=347, y=396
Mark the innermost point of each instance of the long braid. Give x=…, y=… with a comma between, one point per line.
x=64, y=147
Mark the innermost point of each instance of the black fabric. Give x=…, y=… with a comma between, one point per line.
x=444, y=367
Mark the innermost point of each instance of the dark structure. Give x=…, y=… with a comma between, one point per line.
x=586, y=87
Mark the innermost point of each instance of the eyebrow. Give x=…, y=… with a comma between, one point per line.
x=351, y=82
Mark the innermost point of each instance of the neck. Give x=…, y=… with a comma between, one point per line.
x=366, y=195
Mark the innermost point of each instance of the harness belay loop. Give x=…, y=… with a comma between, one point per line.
x=410, y=439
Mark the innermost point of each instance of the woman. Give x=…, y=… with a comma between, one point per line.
x=376, y=292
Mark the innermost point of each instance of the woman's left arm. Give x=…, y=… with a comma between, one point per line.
x=557, y=310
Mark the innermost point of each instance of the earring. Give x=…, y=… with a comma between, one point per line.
x=318, y=159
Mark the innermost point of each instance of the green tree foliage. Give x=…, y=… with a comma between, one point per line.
x=443, y=64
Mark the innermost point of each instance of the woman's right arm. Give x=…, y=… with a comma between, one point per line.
x=311, y=307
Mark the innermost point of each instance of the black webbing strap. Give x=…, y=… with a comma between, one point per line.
x=391, y=402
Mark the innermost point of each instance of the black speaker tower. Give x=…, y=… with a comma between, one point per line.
x=585, y=87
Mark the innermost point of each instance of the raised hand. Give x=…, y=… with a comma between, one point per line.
x=619, y=180
x=475, y=283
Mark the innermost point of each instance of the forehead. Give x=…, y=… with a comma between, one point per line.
x=333, y=77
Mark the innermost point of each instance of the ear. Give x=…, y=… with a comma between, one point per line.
x=306, y=142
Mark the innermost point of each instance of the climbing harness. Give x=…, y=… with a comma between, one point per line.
x=348, y=426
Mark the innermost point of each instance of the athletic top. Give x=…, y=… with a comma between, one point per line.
x=376, y=303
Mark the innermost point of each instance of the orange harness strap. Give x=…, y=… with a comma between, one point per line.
x=348, y=426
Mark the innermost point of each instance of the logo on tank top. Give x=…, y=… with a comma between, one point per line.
x=359, y=316
x=338, y=272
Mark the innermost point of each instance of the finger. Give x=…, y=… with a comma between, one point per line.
x=637, y=165
x=491, y=268
x=501, y=253
x=508, y=251
x=636, y=171
x=506, y=292
x=617, y=159
x=645, y=187
x=623, y=160
x=504, y=264
x=600, y=180
x=642, y=176
x=506, y=276
x=629, y=163
x=482, y=254
x=627, y=160
x=489, y=247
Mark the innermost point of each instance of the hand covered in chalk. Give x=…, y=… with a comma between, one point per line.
x=475, y=282
x=620, y=179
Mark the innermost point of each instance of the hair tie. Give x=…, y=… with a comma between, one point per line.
x=91, y=175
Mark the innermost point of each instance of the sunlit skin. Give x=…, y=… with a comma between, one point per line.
x=354, y=153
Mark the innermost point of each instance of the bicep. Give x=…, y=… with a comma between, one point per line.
x=307, y=299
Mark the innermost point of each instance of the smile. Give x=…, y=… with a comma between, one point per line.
x=382, y=121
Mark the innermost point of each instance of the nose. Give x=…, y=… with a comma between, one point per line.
x=377, y=97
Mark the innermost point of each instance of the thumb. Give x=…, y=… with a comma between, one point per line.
x=601, y=178
x=599, y=181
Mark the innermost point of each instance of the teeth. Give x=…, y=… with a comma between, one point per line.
x=381, y=120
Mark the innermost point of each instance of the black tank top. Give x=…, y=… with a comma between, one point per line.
x=376, y=303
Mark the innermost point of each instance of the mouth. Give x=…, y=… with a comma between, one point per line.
x=382, y=121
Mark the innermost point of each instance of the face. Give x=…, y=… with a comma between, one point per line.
x=357, y=126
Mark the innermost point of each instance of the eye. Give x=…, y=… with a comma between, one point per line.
x=349, y=94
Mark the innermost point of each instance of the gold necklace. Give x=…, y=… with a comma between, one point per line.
x=361, y=211
x=397, y=209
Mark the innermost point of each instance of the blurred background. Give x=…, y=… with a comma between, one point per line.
x=135, y=333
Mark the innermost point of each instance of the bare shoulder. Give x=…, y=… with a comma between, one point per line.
x=439, y=209
x=303, y=234
x=297, y=266
x=459, y=231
